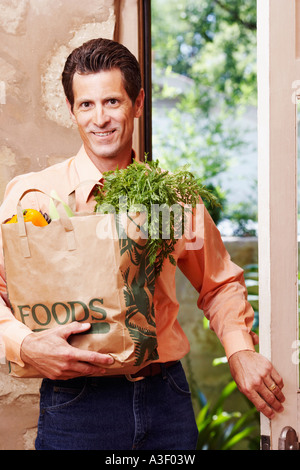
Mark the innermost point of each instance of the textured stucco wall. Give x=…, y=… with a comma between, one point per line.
x=36, y=37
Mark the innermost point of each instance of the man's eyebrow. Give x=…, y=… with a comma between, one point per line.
x=82, y=99
x=114, y=95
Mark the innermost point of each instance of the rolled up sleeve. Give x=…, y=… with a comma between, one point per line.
x=221, y=287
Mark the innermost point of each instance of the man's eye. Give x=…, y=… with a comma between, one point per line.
x=85, y=104
x=113, y=101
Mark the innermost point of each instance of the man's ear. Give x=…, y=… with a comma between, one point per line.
x=139, y=103
x=71, y=111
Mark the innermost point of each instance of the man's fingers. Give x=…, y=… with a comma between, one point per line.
x=267, y=401
x=275, y=388
x=276, y=378
x=83, y=355
x=91, y=357
x=80, y=369
x=258, y=380
x=54, y=357
x=74, y=328
x=272, y=399
x=261, y=405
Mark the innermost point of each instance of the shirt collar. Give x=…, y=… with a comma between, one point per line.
x=88, y=173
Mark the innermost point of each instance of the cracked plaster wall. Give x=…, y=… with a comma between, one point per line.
x=36, y=37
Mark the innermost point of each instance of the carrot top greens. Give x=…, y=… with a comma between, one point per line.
x=145, y=187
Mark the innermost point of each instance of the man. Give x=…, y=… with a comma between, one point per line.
x=102, y=84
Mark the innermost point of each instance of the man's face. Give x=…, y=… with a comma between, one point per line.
x=105, y=114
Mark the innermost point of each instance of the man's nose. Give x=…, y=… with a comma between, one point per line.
x=101, y=116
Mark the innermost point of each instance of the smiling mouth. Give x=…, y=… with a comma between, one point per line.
x=104, y=134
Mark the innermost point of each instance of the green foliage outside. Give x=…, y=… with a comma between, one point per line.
x=213, y=44
x=220, y=427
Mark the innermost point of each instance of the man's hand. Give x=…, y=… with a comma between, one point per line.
x=258, y=380
x=51, y=354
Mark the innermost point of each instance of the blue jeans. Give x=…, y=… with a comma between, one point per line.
x=112, y=413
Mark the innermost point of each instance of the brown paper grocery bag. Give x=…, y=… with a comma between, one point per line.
x=84, y=268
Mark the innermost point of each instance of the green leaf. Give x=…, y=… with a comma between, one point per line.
x=226, y=392
x=238, y=437
x=202, y=415
x=219, y=360
x=223, y=418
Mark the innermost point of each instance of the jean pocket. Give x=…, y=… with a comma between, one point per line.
x=59, y=394
x=176, y=378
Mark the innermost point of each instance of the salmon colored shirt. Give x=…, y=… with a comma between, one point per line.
x=218, y=281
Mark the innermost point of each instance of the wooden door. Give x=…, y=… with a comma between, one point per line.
x=278, y=60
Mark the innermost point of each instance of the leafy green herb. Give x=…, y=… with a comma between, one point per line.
x=144, y=186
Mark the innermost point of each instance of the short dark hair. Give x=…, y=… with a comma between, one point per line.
x=99, y=55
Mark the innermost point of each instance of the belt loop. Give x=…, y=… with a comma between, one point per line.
x=163, y=371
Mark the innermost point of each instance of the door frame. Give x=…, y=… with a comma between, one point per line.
x=278, y=66
x=137, y=14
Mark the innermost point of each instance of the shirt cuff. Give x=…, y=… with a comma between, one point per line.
x=238, y=340
x=13, y=337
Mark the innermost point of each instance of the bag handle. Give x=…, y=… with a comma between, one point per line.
x=64, y=219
